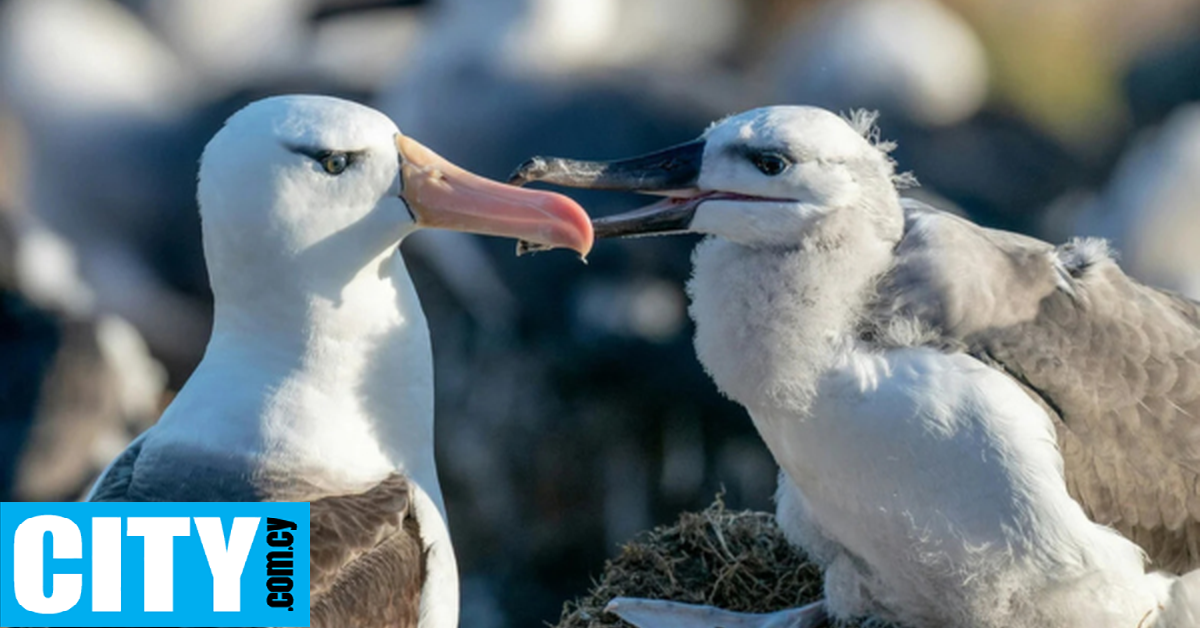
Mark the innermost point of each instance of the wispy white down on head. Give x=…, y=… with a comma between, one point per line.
x=812, y=176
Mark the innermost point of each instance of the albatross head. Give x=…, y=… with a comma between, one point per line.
x=318, y=187
x=767, y=177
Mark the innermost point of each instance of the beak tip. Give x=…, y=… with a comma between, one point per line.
x=584, y=250
x=580, y=241
x=564, y=225
x=587, y=238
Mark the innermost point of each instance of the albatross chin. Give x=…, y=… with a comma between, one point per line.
x=974, y=428
x=317, y=384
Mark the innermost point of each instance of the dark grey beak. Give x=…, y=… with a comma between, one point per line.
x=672, y=215
x=672, y=172
x=675, y=168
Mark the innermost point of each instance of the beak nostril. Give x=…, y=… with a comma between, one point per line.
x=533, y=169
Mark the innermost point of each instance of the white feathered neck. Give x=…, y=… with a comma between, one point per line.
x=770, y=320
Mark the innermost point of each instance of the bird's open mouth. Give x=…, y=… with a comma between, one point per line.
x=672, y=214
x=672, y=172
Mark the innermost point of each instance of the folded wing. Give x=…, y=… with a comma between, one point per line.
x=1115, y=363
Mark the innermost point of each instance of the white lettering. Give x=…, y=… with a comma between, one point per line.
x=65, y=542
x=106, y=564
x=160, y=533
x=225, y=563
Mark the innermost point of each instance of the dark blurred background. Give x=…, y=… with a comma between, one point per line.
x=571, y=410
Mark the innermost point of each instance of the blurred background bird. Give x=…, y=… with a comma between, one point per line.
x=572, y=412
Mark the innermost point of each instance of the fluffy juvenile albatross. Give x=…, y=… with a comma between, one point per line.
x=317, y=384
x=975, y=428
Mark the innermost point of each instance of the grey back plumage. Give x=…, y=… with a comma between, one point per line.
x=1115, y=363
x=367, y=556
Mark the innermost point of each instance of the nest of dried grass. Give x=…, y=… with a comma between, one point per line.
x=738, y=561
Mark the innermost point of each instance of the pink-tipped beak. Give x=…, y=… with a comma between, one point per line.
x=444, y=196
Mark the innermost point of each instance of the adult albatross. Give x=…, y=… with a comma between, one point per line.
x=317, y=384
x=975, y=428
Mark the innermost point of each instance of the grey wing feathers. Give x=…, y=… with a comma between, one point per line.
x=1115, y=362
x=113, y=483
x=960, y=278
x=146, y=473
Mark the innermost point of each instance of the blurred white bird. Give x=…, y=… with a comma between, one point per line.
x=99, y=98
x=1150, y=209
x=78, y=385
x=911, y=58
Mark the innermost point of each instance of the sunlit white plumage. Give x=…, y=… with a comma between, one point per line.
x=938, y=473
x=317, y=383
x=307, y=337
x=882, y=350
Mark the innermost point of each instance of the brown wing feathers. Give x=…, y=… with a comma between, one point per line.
x=368, y=561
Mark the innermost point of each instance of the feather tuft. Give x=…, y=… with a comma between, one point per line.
x=865, y=122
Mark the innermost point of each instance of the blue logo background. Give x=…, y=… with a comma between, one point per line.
x=193, y=590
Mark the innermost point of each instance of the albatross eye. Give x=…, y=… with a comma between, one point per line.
x=335, y=163
x=770, y=164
